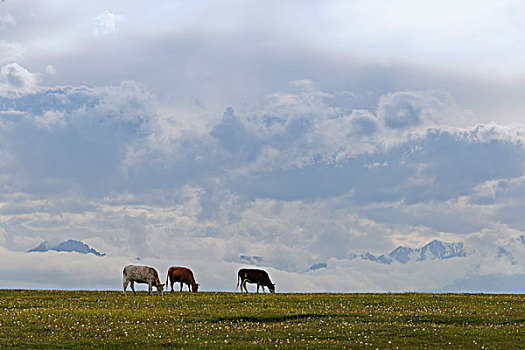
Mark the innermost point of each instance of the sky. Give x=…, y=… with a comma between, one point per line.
x=298, y=132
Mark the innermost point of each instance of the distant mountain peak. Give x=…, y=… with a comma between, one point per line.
x=441, y=250
x=66, y=246
x=434, y=250
x=401, y=254
x=42, y=247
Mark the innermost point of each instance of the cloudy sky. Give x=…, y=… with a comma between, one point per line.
x=301, y=132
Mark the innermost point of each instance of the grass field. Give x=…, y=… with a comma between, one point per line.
x=75, y=319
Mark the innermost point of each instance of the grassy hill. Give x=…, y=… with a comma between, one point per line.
x=75, y=319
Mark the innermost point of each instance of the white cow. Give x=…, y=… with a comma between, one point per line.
x=141, y=274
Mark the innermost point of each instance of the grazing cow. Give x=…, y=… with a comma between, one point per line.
x=254, y=276
x=141, y=274
x=182, y=275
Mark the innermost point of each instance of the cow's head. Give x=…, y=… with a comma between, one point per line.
x=195, y=287
x=160, y=288
x=272, y=288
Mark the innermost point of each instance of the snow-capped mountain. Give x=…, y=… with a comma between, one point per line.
x=441, y=250
x=380, y=259
x=66, y=246
x=435, y=250
x=402, y=254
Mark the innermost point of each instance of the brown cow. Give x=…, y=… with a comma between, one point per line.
x=141, y=274
x=182, y=275
x=254, y=276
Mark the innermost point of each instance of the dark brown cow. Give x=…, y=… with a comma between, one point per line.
x=254, y=276
x=182, y=275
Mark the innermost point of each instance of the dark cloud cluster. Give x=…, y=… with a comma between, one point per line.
x=76, y=136
x=297, y=147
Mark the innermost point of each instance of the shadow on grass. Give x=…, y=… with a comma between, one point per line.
x=269, y=318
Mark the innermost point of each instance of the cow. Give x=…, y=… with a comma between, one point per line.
x=254, y=276
x=182, y=275
x=141, y=274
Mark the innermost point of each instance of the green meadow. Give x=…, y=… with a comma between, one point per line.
x=107, y=319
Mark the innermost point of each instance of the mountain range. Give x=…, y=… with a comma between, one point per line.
x=435, y=250
x=66, y=246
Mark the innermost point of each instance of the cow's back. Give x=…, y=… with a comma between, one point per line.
x=141, y=273
x=255, y=275
x=154, y=274
x=181, y=274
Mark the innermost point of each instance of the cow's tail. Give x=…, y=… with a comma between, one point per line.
x=238, y=280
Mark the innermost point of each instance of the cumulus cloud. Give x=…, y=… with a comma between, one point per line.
x=15, y=79
x=410, y=113
x=107, y=22
x=50, y=120
x=88, y=130
x=297, y=182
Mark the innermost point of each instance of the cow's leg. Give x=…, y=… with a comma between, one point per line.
x=181, y=285
x=171, y=284
x=262, y=286
x=125, y=285
x=189, y=288
x=150, y=288
x=258, y=287
x=132, y=285
x=244, y=284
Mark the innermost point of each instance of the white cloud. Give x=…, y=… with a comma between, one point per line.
x=51, y=119
x=107, y=22
x=67, y=271
x=410, y=114
x=15, y=79
x=50, y=70
x=6, y=20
